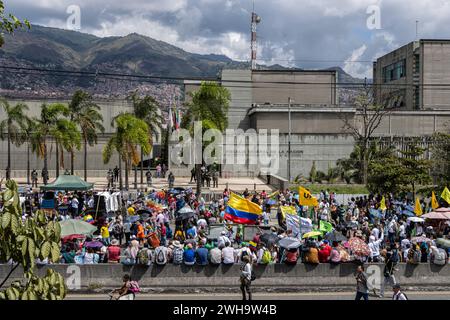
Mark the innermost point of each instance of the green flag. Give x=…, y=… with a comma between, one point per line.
x=325, y=226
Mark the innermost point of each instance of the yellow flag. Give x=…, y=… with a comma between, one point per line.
x=434, y=202
x=446, y=195
x=306, y=198
x=383, y=204
x=418, y=208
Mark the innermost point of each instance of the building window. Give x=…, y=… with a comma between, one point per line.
x=394, y=71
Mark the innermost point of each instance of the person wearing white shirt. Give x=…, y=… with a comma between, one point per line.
x=159, y=219
x=223, y=240
x=376, y=233
x=374, y=246
x=398, y=294
x=228, y=254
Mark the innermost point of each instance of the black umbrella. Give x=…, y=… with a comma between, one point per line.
x=335, y=236
x=269, y=239
x=185, y=213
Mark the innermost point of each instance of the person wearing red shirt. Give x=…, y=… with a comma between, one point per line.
x=324, y=252
x=114, y=252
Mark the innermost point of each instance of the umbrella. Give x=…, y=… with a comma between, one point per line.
x=143, y=212
x=93, y=244
x=436, y=215
x=416, y=219
x=269, y=239
x=335, y=236
x=376, y=213
x=359, y=247
x=132, y=219
x=408, y=213
x=185, y=213
x=271, y=202
x=72, y=236
x=420, y=239
x=71, y=226
x=444, y=243
x=290, y=243
x=312, y=234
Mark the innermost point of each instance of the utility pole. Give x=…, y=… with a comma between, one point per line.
x=289, y=140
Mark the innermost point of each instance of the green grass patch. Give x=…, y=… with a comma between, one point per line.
x=337, y=188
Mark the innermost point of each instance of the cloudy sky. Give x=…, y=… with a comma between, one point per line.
x=302, y=33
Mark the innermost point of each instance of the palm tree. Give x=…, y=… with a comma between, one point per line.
x=27, y=133
x=12, y=127
x=67, y=137
x=52, y=124
x=130, y=134
x=86, y=114
x=210, y=105
x=148, y=110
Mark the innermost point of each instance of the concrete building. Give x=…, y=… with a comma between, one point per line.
x=415, y=76
x=96, y=168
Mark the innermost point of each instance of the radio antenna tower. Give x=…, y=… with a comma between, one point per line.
x=255, y=21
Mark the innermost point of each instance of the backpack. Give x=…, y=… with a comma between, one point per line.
x=266, y=257
x=117, y=229
x=394, y=257
x=415, y=259
x=291, y=257
x=143, y=258
x=440, y=258
x=161, y=258
x=153, y=240
x=178, y=256
x=134, y=287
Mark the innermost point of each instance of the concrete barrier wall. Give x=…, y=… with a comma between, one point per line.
x=209, y=278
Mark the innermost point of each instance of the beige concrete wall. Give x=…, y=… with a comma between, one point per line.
x=436, y=71
x=276, y=87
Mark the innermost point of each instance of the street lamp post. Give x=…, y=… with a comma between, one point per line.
x=289, y=139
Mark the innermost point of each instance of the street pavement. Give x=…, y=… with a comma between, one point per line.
x=235, y=184
x=425, y=295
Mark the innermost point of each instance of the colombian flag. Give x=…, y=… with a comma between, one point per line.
x=241, y=210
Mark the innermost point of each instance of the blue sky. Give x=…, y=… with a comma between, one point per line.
x=303, y=33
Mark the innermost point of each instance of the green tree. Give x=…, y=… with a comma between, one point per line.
x=386, y=173
x=86, y=114
x=210, y=105
x=9, y=23
x=130, y=134
x=52, y=124
x=67, y=137
x=440, y=159
x=363, y=124
x=12, y=127
x=21, y=243
x=148, y=110
x=416, y=169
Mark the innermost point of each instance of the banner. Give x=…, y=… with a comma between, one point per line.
x=434, y=202
x=325, y=226
x=305, y=225
x=306, y=198
x=293, y=225
x=290, y=210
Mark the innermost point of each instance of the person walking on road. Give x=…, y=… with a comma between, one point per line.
x=362, y=289
x=246, y=278
x=398, y=294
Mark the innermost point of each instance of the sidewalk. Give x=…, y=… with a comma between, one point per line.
x=234, y=184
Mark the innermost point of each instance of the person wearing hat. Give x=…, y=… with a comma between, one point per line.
x=398, y=294
x=223, y=240
x=113, y=252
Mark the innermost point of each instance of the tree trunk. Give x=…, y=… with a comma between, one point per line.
x=8, y=168
x=57, y=159
x=28, y=163
x=365, y=162
x=135, y=177
x=72, y=156
x=45, y=162
x=126, y=175
x=120, y=173
x=198, y=173
x=85, y=159
x=9, y=274
x=142, y=167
